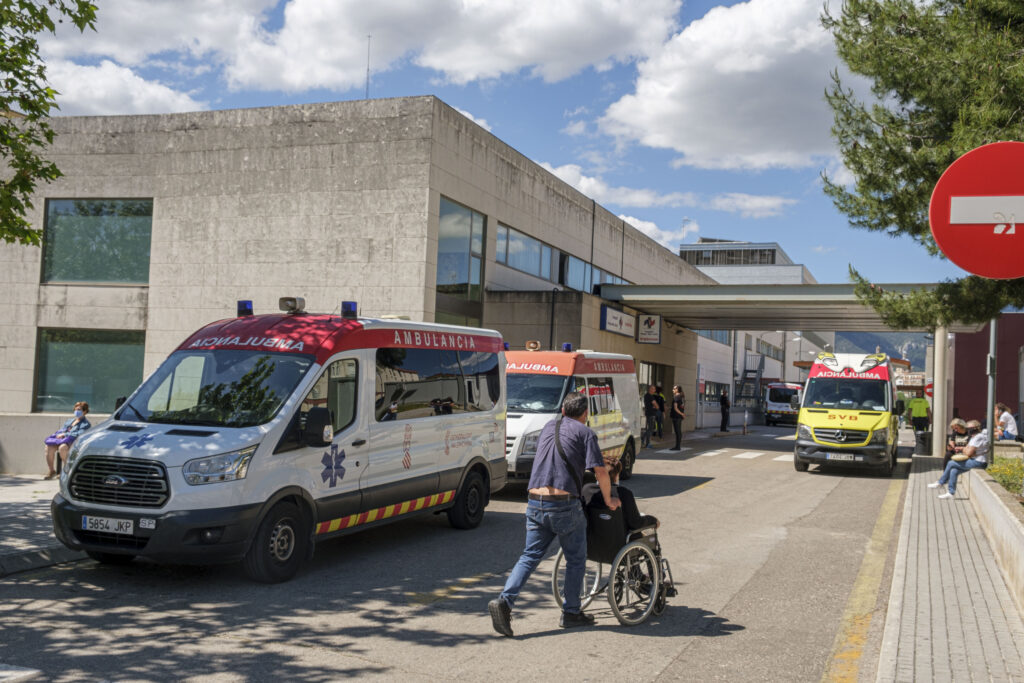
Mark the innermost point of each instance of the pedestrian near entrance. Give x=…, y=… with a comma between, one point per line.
x=678, y=413
x=920, y=412
x=661, y=412
x=957, y=441
x=650, y=415
x=723, y=402
x=566, y=448
x=976, y=451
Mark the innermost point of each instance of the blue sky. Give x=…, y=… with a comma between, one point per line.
x=687, y=118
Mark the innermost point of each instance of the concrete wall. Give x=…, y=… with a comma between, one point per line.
x=1002, y=519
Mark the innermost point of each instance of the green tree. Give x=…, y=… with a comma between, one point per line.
x=25, y=103
x=947, y=76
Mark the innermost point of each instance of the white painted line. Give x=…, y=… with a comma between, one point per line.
x=784, y=458
x=987, y=210
x=749, y=455
x=670, y=450
x=707, y=454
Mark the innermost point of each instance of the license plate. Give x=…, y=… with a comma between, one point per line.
x=839, y=456
x=107, y=525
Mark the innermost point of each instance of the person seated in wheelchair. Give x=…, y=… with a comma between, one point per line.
x=630, y=512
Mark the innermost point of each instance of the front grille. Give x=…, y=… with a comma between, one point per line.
x=111, y=540
x=120, y=481
x=510, y=442
x=850, y=436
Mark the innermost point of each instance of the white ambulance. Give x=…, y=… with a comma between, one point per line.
x=538, y=382
x=778, y=402
x=262, y=435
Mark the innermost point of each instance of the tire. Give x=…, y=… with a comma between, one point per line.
x=634, y=583
x=799, y=466
x=890, y=465
x=110, y=558
x=281, y=543
x=592, y=572
x=468, y=510
x=628, y=460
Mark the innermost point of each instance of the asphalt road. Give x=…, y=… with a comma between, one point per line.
x=770, y=565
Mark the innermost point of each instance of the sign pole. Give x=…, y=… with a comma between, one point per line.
x=990, y=370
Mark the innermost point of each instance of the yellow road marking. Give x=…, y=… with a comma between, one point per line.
x=844, y=664
x=439, y=594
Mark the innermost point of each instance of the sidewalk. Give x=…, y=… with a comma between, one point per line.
x=26, y=532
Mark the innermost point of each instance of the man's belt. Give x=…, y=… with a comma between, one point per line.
x=550, y=496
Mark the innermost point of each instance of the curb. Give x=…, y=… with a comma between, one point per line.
x=23, y=561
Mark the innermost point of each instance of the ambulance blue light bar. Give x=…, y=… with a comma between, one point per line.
x=567, y=346
x=244, y=308
x=349, y=309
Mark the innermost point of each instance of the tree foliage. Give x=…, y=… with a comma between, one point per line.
x=26, y=101
x=947, y=76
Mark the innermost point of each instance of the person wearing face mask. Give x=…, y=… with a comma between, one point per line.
x=59, y=443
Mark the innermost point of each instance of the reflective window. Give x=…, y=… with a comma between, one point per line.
x=413, y=383
x=95, y=366
x=532, y=393
x=524, y=253
x=97, y=240
x=601, y=392
x=502, y=244
x=482, y=380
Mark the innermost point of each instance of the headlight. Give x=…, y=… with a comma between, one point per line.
x=880, y=436
x=218, y=468
x=803, y=432
x=530, y=443
x=72, y=456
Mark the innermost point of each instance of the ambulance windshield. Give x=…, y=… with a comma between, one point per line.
x=218, y=388
x=845, y=392
x=531, y=393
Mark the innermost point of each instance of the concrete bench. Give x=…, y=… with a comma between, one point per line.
x=1008, y=449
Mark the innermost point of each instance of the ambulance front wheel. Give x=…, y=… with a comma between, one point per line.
x=280, y=545
x=628, y=460
x=468, y=510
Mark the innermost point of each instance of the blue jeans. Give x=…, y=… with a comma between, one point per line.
x=953, y=470
x=1007, y=436
x=546, y=520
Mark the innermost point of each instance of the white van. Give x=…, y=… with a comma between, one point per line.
x=262, y=435
x=778, y=402
x=538, y=382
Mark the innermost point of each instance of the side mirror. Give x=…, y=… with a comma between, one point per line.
x=794, y=402
x=319, y=427
x=900, y=407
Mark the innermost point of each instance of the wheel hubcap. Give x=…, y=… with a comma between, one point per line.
x=282, y=541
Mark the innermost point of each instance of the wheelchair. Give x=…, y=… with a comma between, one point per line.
x=639, y=581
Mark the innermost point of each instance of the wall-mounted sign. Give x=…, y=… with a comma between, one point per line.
x=616, y=321
x=649, y=327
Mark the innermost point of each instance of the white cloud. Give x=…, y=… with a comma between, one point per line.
x=480, y=122
x=575, y=128
x=746, y=205
x=670, y=239
x=821, y=249
x=599, y=190
x=740, y=88
x=112, y=89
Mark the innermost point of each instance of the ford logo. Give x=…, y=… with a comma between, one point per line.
x=114, y=480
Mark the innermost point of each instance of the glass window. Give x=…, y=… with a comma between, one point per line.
x=97, y=240
x=414, y=383
x=224, y=388
x=545, y=262
x=524, y=253
x=453, y=242
x=502, y=248
x=601, y=392
x=483, y=384
x=532, y=393
x=337, y=389
x=576, y=273
x=95, y=366
x=720, y=336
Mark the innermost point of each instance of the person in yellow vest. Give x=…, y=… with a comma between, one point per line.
x=920, y=412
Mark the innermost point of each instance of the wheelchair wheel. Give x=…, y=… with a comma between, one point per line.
x=591, y=580
x=634, y=584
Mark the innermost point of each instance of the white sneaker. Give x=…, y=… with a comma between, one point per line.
x=934, y=485
x=945, y=495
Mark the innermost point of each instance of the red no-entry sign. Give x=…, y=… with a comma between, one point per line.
x=975, y=208
x=929, y=389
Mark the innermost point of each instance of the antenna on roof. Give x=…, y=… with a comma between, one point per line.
x=368, y=65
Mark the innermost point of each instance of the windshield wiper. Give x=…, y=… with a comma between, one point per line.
x=132, y=408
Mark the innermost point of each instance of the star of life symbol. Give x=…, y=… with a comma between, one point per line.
x=333, y=469
x=137, y=440
x=1000, y=211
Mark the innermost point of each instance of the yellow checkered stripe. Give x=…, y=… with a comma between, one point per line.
x=386, y=512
